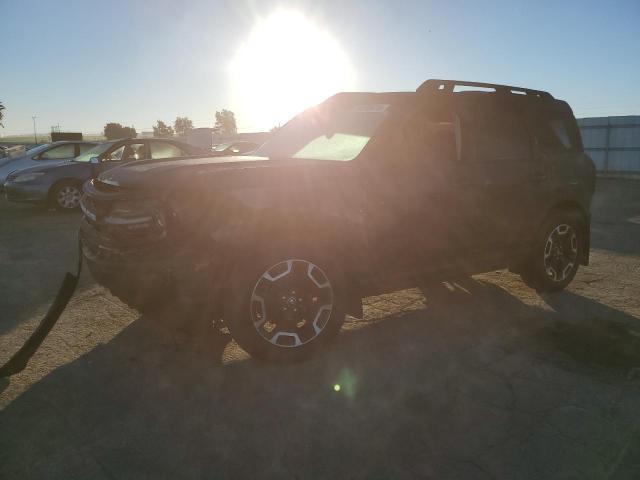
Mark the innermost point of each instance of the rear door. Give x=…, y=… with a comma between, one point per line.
x=502, y=176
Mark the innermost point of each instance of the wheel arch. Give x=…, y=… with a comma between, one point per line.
x=330, y=236
x=57, y=183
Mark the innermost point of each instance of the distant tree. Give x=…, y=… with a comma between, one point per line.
x=161, y=129
x=225, y=123
x=275, y=129
x=1, y=114
x=115, y=130
x=182, y=125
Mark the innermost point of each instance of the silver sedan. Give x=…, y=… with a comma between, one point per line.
x=47, y=154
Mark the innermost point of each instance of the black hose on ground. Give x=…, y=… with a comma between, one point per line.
x=19, y=360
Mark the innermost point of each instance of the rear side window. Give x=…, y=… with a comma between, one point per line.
x=161, y=150
x=500, y=135
x=83, y=147
x=68, y=150
x=556, y=134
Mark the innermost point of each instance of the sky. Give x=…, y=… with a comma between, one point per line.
x=81, y=64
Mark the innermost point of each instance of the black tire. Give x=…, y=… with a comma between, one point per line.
x=65, y=196
x=259, y=293
x=556, y=253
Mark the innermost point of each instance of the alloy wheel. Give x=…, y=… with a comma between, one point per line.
x=68, y=197
x=291, y=303
x=560, y=252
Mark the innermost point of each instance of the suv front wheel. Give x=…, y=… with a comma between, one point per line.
x=556, y=253
x=284, y=307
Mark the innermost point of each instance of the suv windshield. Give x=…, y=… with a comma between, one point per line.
x=94, y=152
x=326, y=134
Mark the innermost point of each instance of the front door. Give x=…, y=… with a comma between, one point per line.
x=415, y=209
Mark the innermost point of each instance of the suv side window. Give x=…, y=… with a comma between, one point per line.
x=501, y=135
x=68, y=150
x=431, y=135
x=555, y=134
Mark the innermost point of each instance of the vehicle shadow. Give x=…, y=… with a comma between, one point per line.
x=592, y=333
x=396, y=396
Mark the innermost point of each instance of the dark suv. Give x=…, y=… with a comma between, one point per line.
x=364, y=193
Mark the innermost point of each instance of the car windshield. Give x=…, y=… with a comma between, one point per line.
x=94, y=152
x=326, y=134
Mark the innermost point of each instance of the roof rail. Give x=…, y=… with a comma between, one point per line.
x=435, y=85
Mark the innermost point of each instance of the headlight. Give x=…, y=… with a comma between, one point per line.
x=137, y=215
x=26, y=177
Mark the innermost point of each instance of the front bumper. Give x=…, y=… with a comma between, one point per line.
x=25, y=193
x=144, y=268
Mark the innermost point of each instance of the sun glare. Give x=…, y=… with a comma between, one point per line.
x=288, y=63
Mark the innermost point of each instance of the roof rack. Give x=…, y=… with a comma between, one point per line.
x=447, y=86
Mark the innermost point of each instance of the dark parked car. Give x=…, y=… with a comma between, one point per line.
x=234, y=148
x=60, y=185
x=366, y=193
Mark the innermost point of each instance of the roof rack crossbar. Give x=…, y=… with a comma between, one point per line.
x=447, y=86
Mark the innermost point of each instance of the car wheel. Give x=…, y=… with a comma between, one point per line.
x=556, y=254
x=285, y=307
x=66, y=195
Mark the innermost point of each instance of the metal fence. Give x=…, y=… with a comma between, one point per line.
x=612, y=142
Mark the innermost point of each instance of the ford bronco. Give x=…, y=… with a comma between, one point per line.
x=362, y=194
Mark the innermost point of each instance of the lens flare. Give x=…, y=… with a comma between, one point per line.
x=288, y=63
x=347, y=383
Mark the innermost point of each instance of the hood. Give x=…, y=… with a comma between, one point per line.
x=153, y=173
x=7, y=160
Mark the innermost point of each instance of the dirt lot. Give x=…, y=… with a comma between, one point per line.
x=479, y=378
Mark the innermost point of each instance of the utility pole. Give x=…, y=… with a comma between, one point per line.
x=35, y=137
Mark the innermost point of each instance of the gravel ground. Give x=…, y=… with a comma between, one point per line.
x=478, y=378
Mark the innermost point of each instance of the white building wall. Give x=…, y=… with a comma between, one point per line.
x=612, y=142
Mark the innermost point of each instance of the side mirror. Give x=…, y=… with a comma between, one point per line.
x=94, y=160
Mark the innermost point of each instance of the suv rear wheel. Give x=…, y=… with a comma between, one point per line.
x=556, y=253
x=284, y=307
